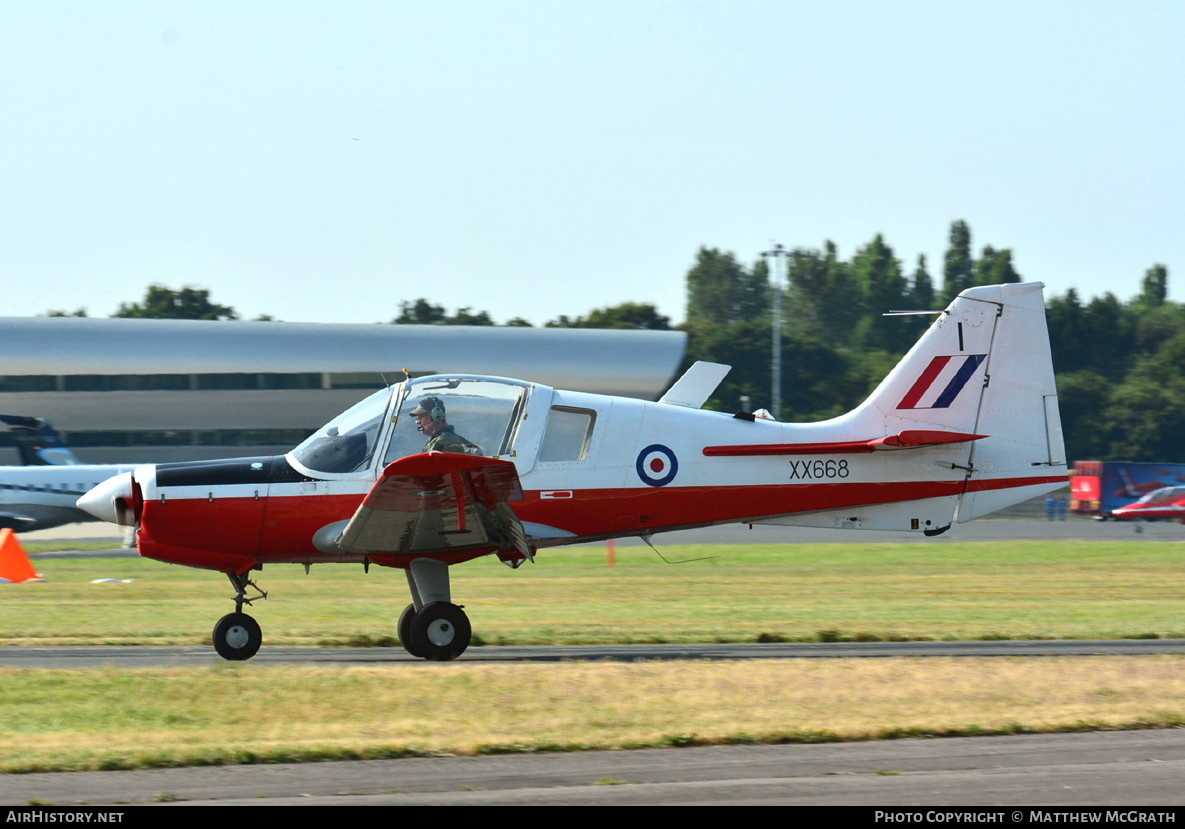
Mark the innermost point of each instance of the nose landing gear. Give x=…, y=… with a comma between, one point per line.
x=238, y=636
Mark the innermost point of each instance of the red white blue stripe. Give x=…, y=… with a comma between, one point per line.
x=939, y=385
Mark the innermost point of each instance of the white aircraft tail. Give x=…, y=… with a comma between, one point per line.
x=975, y=397
x=984, y=368
x=38, y=442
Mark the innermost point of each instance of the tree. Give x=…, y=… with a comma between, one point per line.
x=1108, y=342
x=803, y=306
x=1067, y=332
x=877, y=272
x=420, y=312
x=995, y=267
x=842, y=304
x=958, y=271
x=1156, y=287
x=626, y=315
x=466, y=317
x=921, y=287
x=721, y=290
x=423, y=312
x=825, y=299
x=189, y=303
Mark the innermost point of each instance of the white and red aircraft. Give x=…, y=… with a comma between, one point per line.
x=966, y=424
x=1164, y=503
x=43, y=492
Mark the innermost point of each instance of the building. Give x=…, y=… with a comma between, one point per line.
x=144, y=390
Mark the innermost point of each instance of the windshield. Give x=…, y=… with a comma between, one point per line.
x=1165, y=493
x=346, y=443
x=468, y=415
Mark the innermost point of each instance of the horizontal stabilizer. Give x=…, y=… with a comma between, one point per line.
x=908, y=439
x=696, y=385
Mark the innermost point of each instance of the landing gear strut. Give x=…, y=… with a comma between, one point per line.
x=432, y=627
x=237, y=636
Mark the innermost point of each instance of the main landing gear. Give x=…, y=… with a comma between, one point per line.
x=237, y=636
x=432, y=627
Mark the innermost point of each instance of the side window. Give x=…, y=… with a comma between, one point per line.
x=568, y=435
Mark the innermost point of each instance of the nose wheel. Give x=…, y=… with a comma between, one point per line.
x=238, y=636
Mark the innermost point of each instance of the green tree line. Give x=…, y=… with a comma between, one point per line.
x=1118, y=363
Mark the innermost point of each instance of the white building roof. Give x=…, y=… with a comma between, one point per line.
x=626, y=362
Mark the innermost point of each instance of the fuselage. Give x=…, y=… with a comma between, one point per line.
x=590, y=467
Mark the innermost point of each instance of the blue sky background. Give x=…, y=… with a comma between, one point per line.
x=323, y=161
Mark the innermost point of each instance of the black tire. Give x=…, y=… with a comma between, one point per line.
x=237, y=636
x=440, y=632
x=404, y=629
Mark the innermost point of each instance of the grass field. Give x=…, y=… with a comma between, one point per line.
x=973, y=590
x=242, y=713
x=252, y=712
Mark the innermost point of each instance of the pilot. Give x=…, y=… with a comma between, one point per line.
x=430, y=419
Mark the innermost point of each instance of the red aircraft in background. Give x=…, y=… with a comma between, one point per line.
x=1166, y=502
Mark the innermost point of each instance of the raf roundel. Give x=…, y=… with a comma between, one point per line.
x=657, y=465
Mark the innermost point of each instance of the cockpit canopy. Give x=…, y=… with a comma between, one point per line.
x=1163, y=494
x=484, y=411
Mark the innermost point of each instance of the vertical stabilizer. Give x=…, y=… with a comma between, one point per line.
x=984, y=367
x=38, y=442
x=1018, y=409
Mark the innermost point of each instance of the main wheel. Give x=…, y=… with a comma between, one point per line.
x=440, y=632
x=404, y=629
x=237, y=636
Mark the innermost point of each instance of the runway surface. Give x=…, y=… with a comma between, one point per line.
x=95, y=656
x=1125, y=768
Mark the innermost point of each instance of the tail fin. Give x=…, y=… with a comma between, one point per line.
x=38, y=442
x=966, y=424
x=984, y=367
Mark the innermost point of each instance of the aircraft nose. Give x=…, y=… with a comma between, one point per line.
x=108, y=500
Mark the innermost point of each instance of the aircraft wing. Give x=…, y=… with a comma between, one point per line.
x=437, y=502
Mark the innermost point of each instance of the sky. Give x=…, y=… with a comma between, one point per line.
x=323, y=162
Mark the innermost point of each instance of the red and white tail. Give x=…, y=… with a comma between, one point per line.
x=968, y=418
x=984, y=368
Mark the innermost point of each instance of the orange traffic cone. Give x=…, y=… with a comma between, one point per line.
x=14, y=563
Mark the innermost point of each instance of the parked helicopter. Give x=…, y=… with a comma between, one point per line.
x=967, y=423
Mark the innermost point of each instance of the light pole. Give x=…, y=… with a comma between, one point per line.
x=778, y=253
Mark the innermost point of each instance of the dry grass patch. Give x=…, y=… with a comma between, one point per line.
x=129, y=718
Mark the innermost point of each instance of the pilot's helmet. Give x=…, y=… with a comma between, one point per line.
x=432, y=406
